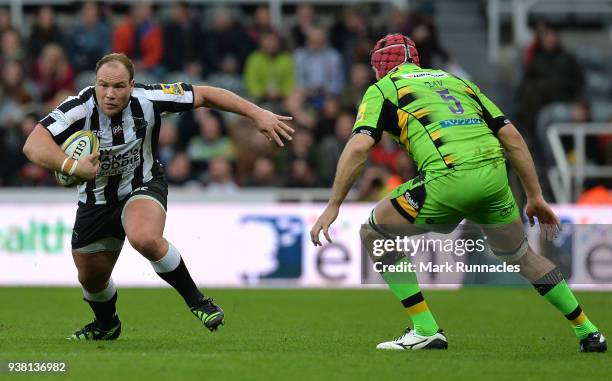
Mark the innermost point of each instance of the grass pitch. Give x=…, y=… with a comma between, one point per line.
x=494, y=334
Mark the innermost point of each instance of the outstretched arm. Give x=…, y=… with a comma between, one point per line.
x=268, y=123
x=349, y=167
x=522, y=163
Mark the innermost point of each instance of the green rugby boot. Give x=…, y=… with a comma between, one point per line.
x=209, y=313
x=93, y=331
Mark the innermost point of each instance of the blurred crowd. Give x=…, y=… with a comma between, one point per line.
x=564, y=85
x=316, y=68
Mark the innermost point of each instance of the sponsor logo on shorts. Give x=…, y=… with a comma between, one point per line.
x=506, y=211
x=412, y=201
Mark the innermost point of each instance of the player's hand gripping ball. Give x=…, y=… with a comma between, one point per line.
x=77, y=146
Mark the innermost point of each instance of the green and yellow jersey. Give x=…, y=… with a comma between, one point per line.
x=442, y=121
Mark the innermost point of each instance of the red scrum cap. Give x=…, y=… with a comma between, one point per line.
x=392, y=51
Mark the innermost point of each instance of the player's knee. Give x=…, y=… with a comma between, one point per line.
x=369, y=234
x=92, y=281
x=365, y=232
x=145, y=244
x=372, y=238
x=369, y=237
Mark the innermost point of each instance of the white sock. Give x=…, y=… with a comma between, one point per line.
x=101, y=296
x=169, y=262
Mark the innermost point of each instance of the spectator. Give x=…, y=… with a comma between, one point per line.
x=45, y=32
x=228, y=76
x=318, y=67
x=210, y=144
x=263, y=174
x=327, y=117
x=250, y=145
x=179, y=171
x=13, y=84
x=331, y=147
x=261, y=25
x=220, y=178
x=22, y=172
x=5, y=20
x=225, y=38
x=399, y=21
x=425, y=36
x=168, y=141
x=14, y=162
x=11, y=47
x=386, y=152
x=269, y=73
x=52, y=72
x=553, y=75
x=301, y=148
x=405, y=167
x=376, y=182
x=90, y=39
x=535, y=44
x=301, y=175
x=347, y=34
x=360, y=78
x=16, y=94
x=305, y=21
x=55, y=101
x=183, y=42
x=140, y=38
x=319, y=73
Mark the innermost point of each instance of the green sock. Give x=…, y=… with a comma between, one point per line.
x=554, y=289
x=405, y=287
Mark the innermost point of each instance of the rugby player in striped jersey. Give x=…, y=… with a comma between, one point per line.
x=123, y=190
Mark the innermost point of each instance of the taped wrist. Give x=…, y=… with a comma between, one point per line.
x=69, y=166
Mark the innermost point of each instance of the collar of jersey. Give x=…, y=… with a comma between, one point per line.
x=406, y=67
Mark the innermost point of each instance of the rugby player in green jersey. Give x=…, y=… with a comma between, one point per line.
x=457, y=137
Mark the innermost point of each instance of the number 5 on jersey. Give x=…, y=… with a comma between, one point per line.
x=445, y=95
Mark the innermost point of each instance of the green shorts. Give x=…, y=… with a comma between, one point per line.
x=481, y=195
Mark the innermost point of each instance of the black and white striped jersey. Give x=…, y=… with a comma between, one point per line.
x=128, y=141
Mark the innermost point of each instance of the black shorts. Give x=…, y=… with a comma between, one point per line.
x=96, y=222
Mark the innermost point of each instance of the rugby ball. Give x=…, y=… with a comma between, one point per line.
x=78, y=145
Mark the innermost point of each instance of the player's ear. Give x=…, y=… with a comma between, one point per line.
x=132, y=83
